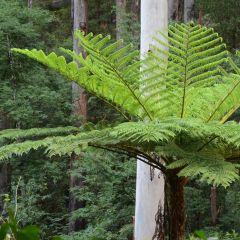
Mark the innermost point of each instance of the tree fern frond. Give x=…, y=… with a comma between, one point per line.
x=194, y=57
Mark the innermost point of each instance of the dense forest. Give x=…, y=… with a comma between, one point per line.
x=90, y=194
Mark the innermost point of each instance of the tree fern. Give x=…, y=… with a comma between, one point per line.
x=181, y=99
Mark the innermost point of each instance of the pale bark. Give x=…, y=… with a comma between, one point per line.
x=120, y=15
x=149, y=193
x=30, y=3
x=188, y=10
x=80, y=22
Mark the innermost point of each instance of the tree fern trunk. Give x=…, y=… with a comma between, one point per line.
x=214, y=205
x=149, y=191
x=175, y=213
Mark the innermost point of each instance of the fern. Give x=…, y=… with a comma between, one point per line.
x=181, y=99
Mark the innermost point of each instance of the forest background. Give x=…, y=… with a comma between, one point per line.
x=94, y=197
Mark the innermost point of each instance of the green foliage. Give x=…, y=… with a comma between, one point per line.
x=11, y=229
x=183, y=92
x=30, y=95
x=224, y=17
x=109, y=184
x=42, y=196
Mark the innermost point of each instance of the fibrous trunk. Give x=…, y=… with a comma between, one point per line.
x=175, y=207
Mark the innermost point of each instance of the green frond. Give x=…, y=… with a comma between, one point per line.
x=180, y=94
x=34, y=133
x=194, y=57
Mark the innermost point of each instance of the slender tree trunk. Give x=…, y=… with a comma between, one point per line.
x=80, y=22
x=214, y=205
x=120, y=15
x=149, y=192
x=135, y=9
x=175, y=210
x=188, y=10
x=171, y=9
x=30, y=3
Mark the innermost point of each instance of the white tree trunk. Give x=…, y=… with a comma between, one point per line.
x=188, y=10
x=154, y=18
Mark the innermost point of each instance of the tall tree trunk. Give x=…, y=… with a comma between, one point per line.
x=80, y=22
x=188, y=10
x=175, y=212
x=135, y=9
x=149, y=192
x=120, y=15
x=172, y=9
x=30, y=3
x=214, y=205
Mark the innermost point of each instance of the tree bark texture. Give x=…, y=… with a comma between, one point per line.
x=120, y=15
x=80, y=22
x=175, y=210
x=214, y=205
x=188, y=10
x=172, y=10
x=149, y=192
x=135, y=9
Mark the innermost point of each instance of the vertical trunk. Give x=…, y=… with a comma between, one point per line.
x=135, y=17
x=80, y=22
x=176, y=207
x=30, y=3
x=200, y=17
x=173, y=10
x=135, y=9
x=120, y=15
x=149, y=193
x=188, y=10
x=214, y=207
